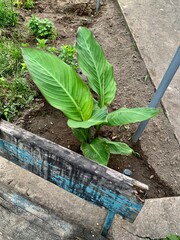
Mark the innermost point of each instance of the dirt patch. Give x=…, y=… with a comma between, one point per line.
x=134, y=89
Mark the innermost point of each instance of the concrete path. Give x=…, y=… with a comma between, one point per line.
x=158, y=218
x=155, y=26
x=69, y=217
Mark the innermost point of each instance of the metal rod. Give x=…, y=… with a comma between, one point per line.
x=108, y=222
x=97, y=5
x=168, y=76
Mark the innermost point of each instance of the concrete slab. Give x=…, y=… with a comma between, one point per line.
x=157, y=219
x=156, y=31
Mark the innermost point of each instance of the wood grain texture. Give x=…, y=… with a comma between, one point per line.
x=20, y=219
x=71, y=171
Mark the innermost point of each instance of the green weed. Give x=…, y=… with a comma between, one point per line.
x=10, y=57
x=8, y=16
x=172, y=237
x=27, y=4
x=14, y=96
x=42, y=28
x=68, y=55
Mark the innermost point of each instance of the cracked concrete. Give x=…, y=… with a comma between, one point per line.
x=157, y=219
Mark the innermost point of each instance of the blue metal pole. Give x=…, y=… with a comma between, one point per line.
x=108, y=222
x=168, y=76
x=97, y=5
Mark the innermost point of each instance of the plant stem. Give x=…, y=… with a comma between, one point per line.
x=88, y=135
x=98, y=127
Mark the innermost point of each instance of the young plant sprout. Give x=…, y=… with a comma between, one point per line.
x=65, y=90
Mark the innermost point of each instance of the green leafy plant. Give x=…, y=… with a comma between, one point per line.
x=18, y=3
x=67, y=52
x=172, y=237
x=68, y=55
x=65, y=90
x=42, y=43
x=29, y=4
x=8, y=16
x=10, y=57
x=42, y=28
x=14, y=96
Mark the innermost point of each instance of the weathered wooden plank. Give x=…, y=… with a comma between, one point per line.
x=71, y=171
x=20, y=219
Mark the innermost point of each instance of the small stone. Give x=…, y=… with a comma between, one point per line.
x=51, y=123
x=151, y=177
x=127, y=172
x=114, y=107
x=114, y=137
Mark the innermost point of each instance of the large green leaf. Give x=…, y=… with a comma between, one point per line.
x=95, y=67
x=97, y=150
x=125, y=116
x=98, y=117
x=119, y=148
x=59, y=84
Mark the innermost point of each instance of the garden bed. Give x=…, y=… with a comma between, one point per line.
x=133, y=83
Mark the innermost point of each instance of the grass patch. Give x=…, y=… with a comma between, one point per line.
x=8, y=16
x=10, y=58
x=14, y=96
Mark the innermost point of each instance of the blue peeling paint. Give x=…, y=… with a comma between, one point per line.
x=103, y=197
x=20, y=201
x=100, y=196
x=14, y=151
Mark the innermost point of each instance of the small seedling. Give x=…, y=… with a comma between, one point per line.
x=41, y=43
x=66, y=91
x=68, y=55
x=67, y=52
x=42, y=28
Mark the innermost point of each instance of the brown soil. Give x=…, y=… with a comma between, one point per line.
x=134, y=86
